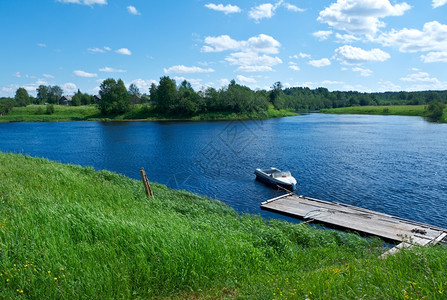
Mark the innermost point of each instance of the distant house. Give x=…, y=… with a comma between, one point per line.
x=65, y=100
x=97, y=98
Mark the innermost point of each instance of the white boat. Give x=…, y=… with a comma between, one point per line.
x=276, y=178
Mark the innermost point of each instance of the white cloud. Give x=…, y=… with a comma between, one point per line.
x=363, y=72
x=360, y=17
x=324, y=62
x=354, y=55
x=420, y=77
x=438, y=3
x=253, y=62
x=111, y=70
x=261, y=43
x=123, y=51
x=223, y=82
x=322, y=35
x=47, y=75
x=107, y=48
x=42, y=45
x=69, y=88
x=85, y=2
x=263, y=11
x=227, y=9
x=331, y=82
x=80, y=73
x=267, y=10
x=133, y=11
x=432, y=57
x=346, y=38
x=294, y=67
x=244, y=79
x=143, y=84
x=17, y=74
x=433, y=37
x=195, y=82
x=388, y=86
x=181, y=69
x=304, y=55
x=292, y=7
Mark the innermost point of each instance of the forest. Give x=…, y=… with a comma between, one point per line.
x=170, y=98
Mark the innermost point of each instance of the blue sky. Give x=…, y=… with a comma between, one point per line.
x=362, y=45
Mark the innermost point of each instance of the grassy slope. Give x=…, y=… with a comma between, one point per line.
x=402, y=110
x=36, y=113
x=70, y=232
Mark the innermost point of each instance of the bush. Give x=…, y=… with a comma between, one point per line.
x=435, y=110
x=50, y=109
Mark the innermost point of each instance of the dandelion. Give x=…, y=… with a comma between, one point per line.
x=7, y=279
x=49, y=272
x=55, y=278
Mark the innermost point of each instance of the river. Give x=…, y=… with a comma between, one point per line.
x=390, y=164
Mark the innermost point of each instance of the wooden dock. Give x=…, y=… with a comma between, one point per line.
x=351, y=218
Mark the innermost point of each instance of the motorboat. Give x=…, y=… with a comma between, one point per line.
x=275, y=177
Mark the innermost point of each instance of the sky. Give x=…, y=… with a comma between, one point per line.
x=358, y=45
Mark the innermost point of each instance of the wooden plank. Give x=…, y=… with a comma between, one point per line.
x=147, y=186
x=348, y=217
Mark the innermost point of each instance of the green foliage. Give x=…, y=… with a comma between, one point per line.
x=82, y=99
x=49, y=94
x=6, y=104
x=401, y=110
x=114, y=97
x=435, y=110
x=50, y=109
x=22, y=98
x=68, y=232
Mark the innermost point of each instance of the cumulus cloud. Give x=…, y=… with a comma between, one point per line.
x=262, y=43
x=17, y=74
x=360, y=17
x=133, y=11
x=363, y=72
x=111, y=70
x=353, y=55
x=47, y=75
x=42, y=45
x=318, y=63
x=69, y=88
x=123, y=51
x=431, y=57
x=84, y=2
x=346, y=38
x=142, y=84
x=294, y=66
x=226, y=9
x=438, y=3
x=267, y=10
x=432, y=37
x=322, y=35
x=420, y=77
x=80, y=73
x=253, y=62
x=244, y=79
x=181, y=69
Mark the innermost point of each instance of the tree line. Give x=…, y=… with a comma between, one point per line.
x=170, y=98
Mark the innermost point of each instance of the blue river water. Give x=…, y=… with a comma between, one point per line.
x=392, y=164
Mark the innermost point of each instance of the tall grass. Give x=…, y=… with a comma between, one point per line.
x=70, y=232
x=39, y=113
x=402, y=110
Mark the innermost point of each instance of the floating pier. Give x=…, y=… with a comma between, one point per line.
x=351, y=218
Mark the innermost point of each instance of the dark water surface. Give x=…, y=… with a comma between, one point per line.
x=391, y=164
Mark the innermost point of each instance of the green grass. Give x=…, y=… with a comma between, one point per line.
x=37, y=113
x=401, y=110
x=70, y=232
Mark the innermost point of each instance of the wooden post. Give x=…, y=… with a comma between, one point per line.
x=147, y=187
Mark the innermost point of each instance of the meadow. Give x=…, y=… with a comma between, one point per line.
x=398, y=110
x=68, y=231
x=38, y=113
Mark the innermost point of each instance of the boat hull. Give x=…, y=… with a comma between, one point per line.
x=273, y=182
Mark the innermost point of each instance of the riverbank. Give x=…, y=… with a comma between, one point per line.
x=38, y=113
x=68, y=231
x=399, y=110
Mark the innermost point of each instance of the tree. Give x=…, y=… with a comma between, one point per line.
x=277, y=95
x=42, y=93
x=114, y=97
x=166, y=95
x=134, y=93
x=22, y=97
x=54, y=94
x=435, y=110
